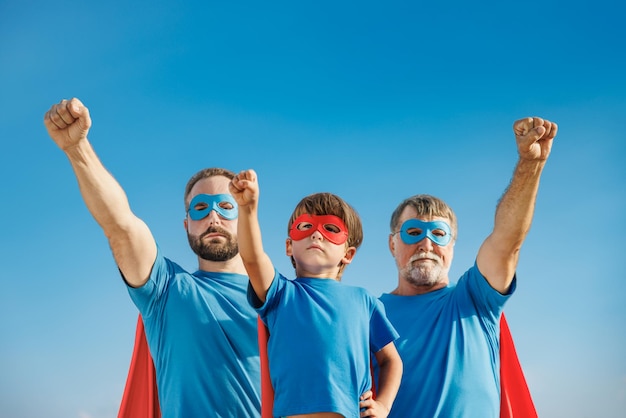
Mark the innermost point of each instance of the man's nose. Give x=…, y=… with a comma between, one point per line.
x=425, y=245
x=213, y=217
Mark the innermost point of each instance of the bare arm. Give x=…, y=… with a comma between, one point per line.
x=245, y=189
x=389, y=377
x=498, y=256
x=131, y=242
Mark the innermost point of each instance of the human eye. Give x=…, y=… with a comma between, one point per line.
x=200, y=206
x=440, y=233
x=303, y=226
x=226, y=205
x=332, y=228
x=414, y=231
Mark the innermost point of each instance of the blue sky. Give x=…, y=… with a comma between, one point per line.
x=374, y=101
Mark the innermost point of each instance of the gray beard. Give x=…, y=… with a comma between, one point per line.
x=214, y=250
x=423, y=275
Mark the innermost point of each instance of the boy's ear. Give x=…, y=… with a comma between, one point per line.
x=289, y=251
x=349, y=255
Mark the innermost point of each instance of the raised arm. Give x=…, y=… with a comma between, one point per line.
x=245, y=189
x=131, y=241
x=498, y=256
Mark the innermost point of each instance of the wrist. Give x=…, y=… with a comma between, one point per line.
x=79, y=150
x=529, y=166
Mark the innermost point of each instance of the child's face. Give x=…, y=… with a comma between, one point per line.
x=318, y=245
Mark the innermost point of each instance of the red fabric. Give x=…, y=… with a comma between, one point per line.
x=515, y=401
x=140, y=399
x=267, y=390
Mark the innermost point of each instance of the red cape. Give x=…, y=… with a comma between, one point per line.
x=515, y=399
x=140, y=399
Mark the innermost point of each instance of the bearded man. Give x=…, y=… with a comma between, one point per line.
x=200, y=328
x=450, y=333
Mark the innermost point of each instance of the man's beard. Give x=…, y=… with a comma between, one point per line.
x=427, y=273
x=214, y=249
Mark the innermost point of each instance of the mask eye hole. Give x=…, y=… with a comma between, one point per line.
x=332, y=228
x=439, y=233
x=226, y=205
x=414, y=232
x=200, y=206
x=303, y=226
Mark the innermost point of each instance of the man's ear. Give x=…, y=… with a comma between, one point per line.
x=288, y=247
x=349, y=255
x=392, y=245
x=185, y=223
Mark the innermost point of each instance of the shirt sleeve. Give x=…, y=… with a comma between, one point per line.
x=486, y=300
x=270, y=297
x=381, y=330
x=148, y=296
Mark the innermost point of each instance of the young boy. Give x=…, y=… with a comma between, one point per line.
x=321, y=332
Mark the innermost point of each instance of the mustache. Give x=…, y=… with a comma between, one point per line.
x=213, y=230
x=425, y=256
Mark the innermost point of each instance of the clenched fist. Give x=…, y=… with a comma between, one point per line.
x=534, y=137
x=67, y=123
x=245, y=188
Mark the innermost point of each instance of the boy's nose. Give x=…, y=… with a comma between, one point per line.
x=317, y=235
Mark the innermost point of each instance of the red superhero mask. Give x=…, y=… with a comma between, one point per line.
x=330, y=226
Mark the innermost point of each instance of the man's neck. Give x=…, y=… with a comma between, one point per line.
x=407, y=289
x=234, y=265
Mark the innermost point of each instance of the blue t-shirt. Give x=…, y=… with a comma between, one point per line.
x=203, y=338
x=321, y=335
x=450, y=344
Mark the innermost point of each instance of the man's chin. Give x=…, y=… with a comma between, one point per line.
x=419, y=277
x=423, y=283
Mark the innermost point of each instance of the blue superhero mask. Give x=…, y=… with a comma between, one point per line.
x=202, y=204
x=413, y=231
